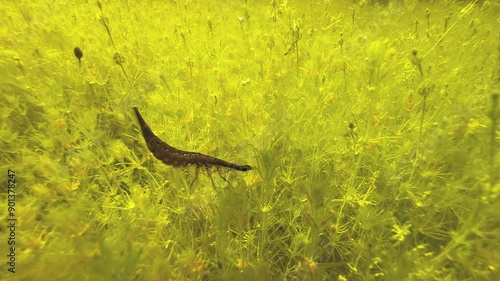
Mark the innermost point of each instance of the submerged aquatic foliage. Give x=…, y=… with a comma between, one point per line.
x=371, y=127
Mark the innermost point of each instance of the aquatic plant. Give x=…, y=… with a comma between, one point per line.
x=374, y=147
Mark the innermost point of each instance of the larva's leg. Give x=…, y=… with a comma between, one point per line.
x=209, y=172
x=196, y=173
x=220, y=174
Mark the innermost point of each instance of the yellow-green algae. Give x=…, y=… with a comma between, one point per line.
x=352, y=180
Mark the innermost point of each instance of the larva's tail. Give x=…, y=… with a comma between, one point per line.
x=147, y=133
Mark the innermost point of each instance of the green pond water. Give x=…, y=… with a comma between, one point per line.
x=362, y=139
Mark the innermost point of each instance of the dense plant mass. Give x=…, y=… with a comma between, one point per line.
x=372, y=128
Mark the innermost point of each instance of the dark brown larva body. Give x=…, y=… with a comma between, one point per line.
x=179, y=158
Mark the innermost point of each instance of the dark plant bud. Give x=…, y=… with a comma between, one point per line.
x=119, y=59
x=78, y=53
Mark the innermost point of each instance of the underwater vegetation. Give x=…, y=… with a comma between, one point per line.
x=371, y=129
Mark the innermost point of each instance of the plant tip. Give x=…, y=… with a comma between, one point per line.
x=78, y=53
x=119, y=59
